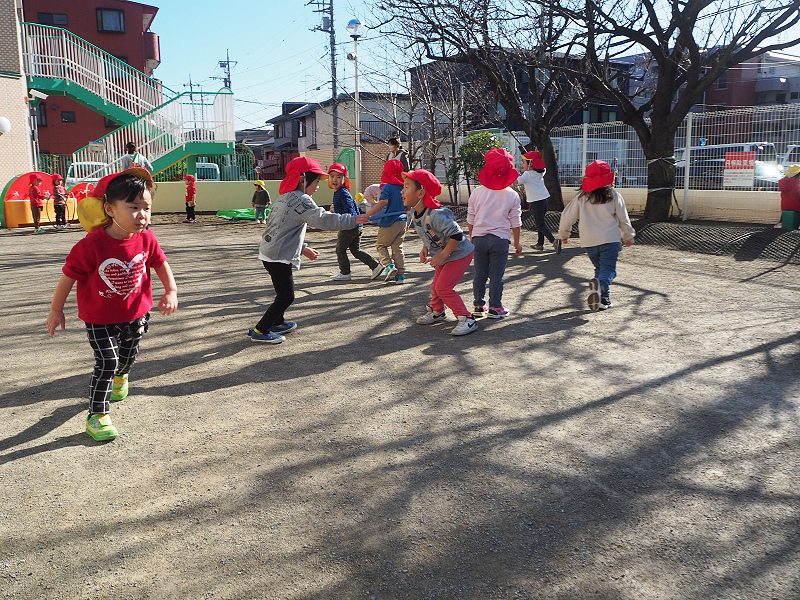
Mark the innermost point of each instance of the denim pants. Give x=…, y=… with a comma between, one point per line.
x=260, y=213
x=491, y=257
x=539, y=209
x=604, y=259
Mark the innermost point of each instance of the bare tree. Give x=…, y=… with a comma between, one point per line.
x=511, y=42
x=688, y=43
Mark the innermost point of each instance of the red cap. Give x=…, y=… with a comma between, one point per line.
x=339, y=168
x=56, y=177
x=598, y=174
x=34, y=176
x=99, y=190
x=190, y=178
x=295, y=169
x=392, y=172
x=535, y=158
x=429, y=183
x=499, y=172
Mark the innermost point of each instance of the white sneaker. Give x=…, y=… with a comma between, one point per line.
x=376, y=272
x=340, y=277
x=465, y=325
x=430, y=317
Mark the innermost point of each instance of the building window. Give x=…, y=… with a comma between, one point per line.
x=780, y=98
x=301, y=127
x=110, y=20
x=722, y=82
x=41, y=115
x=68, y=116
x=794, y=95
x=761, y=98
x=52, y=19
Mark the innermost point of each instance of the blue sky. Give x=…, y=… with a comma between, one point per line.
x=278, y=57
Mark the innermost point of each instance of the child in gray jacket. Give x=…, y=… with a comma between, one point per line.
x=282, y=242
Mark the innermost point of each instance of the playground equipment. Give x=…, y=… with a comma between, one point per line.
x=15, y=205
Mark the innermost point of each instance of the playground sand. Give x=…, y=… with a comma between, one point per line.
x=648, y=451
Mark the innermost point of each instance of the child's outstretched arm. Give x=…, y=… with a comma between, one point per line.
x=56, y=315
x=169, y=301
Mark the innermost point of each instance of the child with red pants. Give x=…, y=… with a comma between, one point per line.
x=445, y=248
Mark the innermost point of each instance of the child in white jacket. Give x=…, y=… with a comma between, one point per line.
x=602, y=221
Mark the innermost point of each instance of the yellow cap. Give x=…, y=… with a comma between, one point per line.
x=793, y=170
x=259, y=183
x=91, y=214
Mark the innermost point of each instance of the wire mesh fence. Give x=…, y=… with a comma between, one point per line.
x=239, y=166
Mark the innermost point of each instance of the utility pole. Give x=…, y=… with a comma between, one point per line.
x=226, y=64
x=191, y=87
x=326, y=7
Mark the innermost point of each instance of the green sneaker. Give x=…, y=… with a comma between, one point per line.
x=119, y=391
x=100, y=427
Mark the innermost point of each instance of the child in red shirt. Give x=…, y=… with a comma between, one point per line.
x=112, y=267
x=191, y=192
x=37, y=201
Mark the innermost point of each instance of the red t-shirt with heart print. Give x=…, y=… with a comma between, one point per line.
x=113, y=276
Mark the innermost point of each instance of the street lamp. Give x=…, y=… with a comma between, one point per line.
x=356, y=29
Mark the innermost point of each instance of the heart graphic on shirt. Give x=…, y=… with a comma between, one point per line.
x=123, y=277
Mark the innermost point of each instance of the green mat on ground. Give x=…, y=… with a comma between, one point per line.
x=240, y=213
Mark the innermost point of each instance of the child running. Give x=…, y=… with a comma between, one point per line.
x=282, y=241
x=348, y=239
x=392, y=228
x=536, y=194
x=601, y=215
x=59, y=201
x=191, y=194
x=112, y=267
x=494, y=214
x=445, y=248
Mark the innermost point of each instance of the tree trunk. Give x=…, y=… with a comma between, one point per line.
x=551, y=181
x=659, y=151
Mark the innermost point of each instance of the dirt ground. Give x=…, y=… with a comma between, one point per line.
x=650, y=451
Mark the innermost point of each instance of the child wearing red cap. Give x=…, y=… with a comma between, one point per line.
x=602, y=220
x=59, y=201
x=392, y=227
x=536, y=194
x=348, y=239
x=191, y=194
x=494, y=215
x=36, y=198
x=282, y=241
x=445, y=248
x=112, y=268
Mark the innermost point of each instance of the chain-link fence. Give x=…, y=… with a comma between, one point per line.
x=760, y=136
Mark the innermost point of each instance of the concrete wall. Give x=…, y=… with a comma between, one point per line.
x=718, y=205
x=221, y=195
x=16, y=155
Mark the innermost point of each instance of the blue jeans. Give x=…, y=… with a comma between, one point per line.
x=261, y=213
x=539, y=209
x=604, y=259
x=491, y=256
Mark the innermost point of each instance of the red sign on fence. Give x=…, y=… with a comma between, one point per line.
x=740, y=168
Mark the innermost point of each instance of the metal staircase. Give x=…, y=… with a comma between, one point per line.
x=165, y=126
